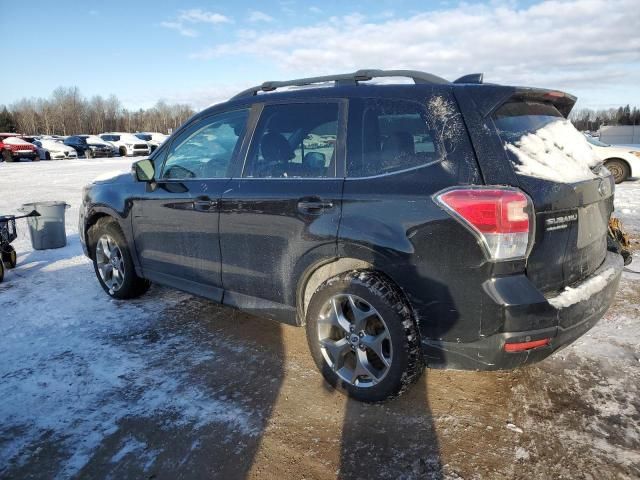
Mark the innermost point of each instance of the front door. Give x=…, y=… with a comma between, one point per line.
x=282, y=214
x=176, y=224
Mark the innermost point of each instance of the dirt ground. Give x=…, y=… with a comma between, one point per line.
x=541, y=421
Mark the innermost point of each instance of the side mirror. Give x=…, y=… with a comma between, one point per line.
x=143, y=170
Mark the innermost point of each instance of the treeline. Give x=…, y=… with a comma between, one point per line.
x=67, y=112
x=589, y=119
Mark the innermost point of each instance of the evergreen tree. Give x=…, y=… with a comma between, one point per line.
x=7, y=122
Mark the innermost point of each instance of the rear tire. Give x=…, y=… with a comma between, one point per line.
x=362, y=336
x=112, y=261
x=9, y=257
x=618, y=168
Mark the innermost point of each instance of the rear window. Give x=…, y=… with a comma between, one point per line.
x=395, y=136
x=542, y=143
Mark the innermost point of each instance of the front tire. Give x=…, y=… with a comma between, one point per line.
x=618, y=168
x=122, y=151
x=362, y=336
x=6, y=156
x=9, y=257
x=112, y=261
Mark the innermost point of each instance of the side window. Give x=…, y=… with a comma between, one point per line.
x=395, y=136
x=294, y=141
x=206, y=150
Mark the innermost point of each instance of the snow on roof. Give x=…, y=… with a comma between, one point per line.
x=15, y=141
x=556, y=152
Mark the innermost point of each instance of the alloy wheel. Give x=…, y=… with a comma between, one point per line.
x=354, y=340
x=110, y=262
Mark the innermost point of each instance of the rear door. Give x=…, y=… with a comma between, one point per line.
x=176, y=224
x=282, y=212
x=572, y=195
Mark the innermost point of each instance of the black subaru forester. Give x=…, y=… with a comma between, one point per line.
x=459, y=225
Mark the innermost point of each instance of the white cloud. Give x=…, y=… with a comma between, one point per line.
x=180, y=28
x=552, y=43
x=194, y=16
x=315, y=9
x=257, y=16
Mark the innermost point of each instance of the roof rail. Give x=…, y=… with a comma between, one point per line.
x=470, y=78
x=344, y=79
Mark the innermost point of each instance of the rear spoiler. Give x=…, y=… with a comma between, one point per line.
x=564, y=102
x=489, y=97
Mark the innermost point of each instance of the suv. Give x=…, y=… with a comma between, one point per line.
x=127, y=144
x=456, y=225
x=13, y=147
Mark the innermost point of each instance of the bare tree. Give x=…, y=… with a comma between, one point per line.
x=67, y=112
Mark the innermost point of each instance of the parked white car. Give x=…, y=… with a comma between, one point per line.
x=154, y=139
x=53, y=149
x=622, y=162
x=127, y=144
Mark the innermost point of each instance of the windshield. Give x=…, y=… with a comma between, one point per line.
x=143, y=136
x=596, y=142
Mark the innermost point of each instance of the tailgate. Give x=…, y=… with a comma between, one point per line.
x=572, y=194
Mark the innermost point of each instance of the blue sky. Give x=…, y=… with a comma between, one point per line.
x=202, y=52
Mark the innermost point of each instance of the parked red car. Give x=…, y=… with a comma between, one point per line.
x=14, y=147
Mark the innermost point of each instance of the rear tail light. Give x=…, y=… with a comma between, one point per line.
x=501, y=218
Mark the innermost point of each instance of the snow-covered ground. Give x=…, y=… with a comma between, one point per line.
x=76, y=369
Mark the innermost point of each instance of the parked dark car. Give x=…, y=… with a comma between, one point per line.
x=403, y=225
x=88, y=149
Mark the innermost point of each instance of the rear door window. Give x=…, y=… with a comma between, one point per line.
x=395, y=136
x=294, y=141
x=543, y=144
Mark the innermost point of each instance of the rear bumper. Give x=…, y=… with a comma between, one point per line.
x=560, y=325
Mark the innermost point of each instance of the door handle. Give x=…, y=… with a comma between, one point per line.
x=202, y=205
x=314, y=206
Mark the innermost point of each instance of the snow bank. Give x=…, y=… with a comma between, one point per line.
x=569, y=295
x=628, y=205
x=75, y=364
x=556, y=152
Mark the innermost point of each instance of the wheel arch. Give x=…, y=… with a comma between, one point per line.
x=92, y=220
x=317, y=274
